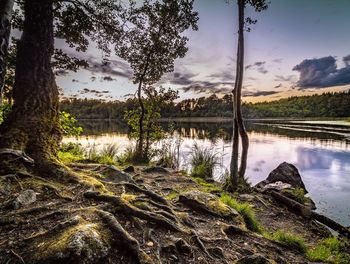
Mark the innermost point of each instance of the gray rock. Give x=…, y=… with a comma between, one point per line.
x=26, y=197
x=183, y=246
x=113, y=174
x=155, y=170
x=286, y=173
x=216, y=252
x=254, y=259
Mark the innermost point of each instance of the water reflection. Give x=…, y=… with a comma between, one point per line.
x=322, y=157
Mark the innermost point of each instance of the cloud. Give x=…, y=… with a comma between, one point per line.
x=258, y=93
x=281, y=78
x=93, y=91
x=108, y=78
x=278, y=86
x=259, y=66
x=277, y=60
x=225, y=76
x=322, y=72
x=179, y=78
x=115, y=68
x=346, y=60
x=207, y=87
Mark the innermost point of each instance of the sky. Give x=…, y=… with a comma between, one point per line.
x=297, y=47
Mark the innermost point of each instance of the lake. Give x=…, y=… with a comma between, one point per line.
x=319, y=149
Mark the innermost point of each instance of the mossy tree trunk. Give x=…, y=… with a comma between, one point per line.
x=6, y=7
x=33, y=124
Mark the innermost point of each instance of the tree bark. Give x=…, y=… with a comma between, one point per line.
x=139, y=152
x=237, y=115
x=33, y=124
x=6, y=7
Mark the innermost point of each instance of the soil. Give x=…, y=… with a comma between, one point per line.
x=104, y=220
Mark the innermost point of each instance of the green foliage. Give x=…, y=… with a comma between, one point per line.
x=203, y=162
x=4, y=110
x=245, y=210
x=127, y=156
x=298, y=194
x=69, y=125
x=153, y=132
x=291, y=240
x=329, y=250
x=71, y=152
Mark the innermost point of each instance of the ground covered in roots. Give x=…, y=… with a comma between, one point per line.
x=148, y=215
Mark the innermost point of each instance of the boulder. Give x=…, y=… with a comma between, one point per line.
x=285, y=173
x=113, y=174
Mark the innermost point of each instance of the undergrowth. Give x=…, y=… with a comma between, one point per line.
x=245, y=210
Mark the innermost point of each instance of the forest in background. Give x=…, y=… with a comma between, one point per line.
x=324, y=105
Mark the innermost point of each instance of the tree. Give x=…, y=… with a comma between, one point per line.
x=154, y=102
x=238, y=124
x=33, y=126
x=6, y=7
x=152, y=44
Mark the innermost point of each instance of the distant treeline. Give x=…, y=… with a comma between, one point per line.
x=325, y=105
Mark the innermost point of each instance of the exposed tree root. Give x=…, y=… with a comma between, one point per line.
x=124, y=239
x=200, y=243
x=126, y=208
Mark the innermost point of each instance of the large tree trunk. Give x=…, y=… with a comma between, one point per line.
x=33, y=124
x=6, y=7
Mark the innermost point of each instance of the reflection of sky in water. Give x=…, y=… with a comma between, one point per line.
x=324, y=165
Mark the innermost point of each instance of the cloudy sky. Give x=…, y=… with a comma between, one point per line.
x=298, y=47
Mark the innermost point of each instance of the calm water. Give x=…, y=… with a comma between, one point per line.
x=320, y=150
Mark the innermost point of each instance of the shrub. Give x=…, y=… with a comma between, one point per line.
x=291, y=240
x=329, y=250
x=203, y=162
x=245, y=210
x=69, y=125
x=106, y=156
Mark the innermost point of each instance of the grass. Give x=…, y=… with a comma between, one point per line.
x=203, y=162
x=106, y=156
x=329, y=250
x=299, y=195
x=245, y=210
x=71, y=152
x=207, y=187
x=293, y=241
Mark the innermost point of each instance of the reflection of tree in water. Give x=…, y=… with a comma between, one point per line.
x=212, y=130
x=99, y=127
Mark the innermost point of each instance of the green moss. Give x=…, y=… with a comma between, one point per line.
x=329, y=250
x=128, y=197
x=67, y=157
x=291, y=240
x=245, y=210
x=207, y=187
x=171, y=196
x=219, y=207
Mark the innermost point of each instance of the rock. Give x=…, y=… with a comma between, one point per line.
x=130, y=169
x=286, y=173
x=26, y=197
x=254, y=259
x=183, y=246
x=247, y=197
x=155, y=169
x=278, y=186
x=113, y=174
x=232, y=230
x=206, y=203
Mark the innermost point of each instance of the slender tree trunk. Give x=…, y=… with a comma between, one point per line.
x=6, y=7
x=237, y=92
x=33, y=124
x=240, y=61
x=139, y=151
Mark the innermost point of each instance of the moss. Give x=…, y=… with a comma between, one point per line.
x=219, y=207
x=171, y=196
x=128, y=197
x=60, y=245
x=245, y=210
x=329, y=250
x=207, y=187
x=293, y=241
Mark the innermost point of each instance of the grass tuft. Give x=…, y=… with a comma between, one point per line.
x=245, y=210
x=291, y=240
x=203, y=162
x=329, y=250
